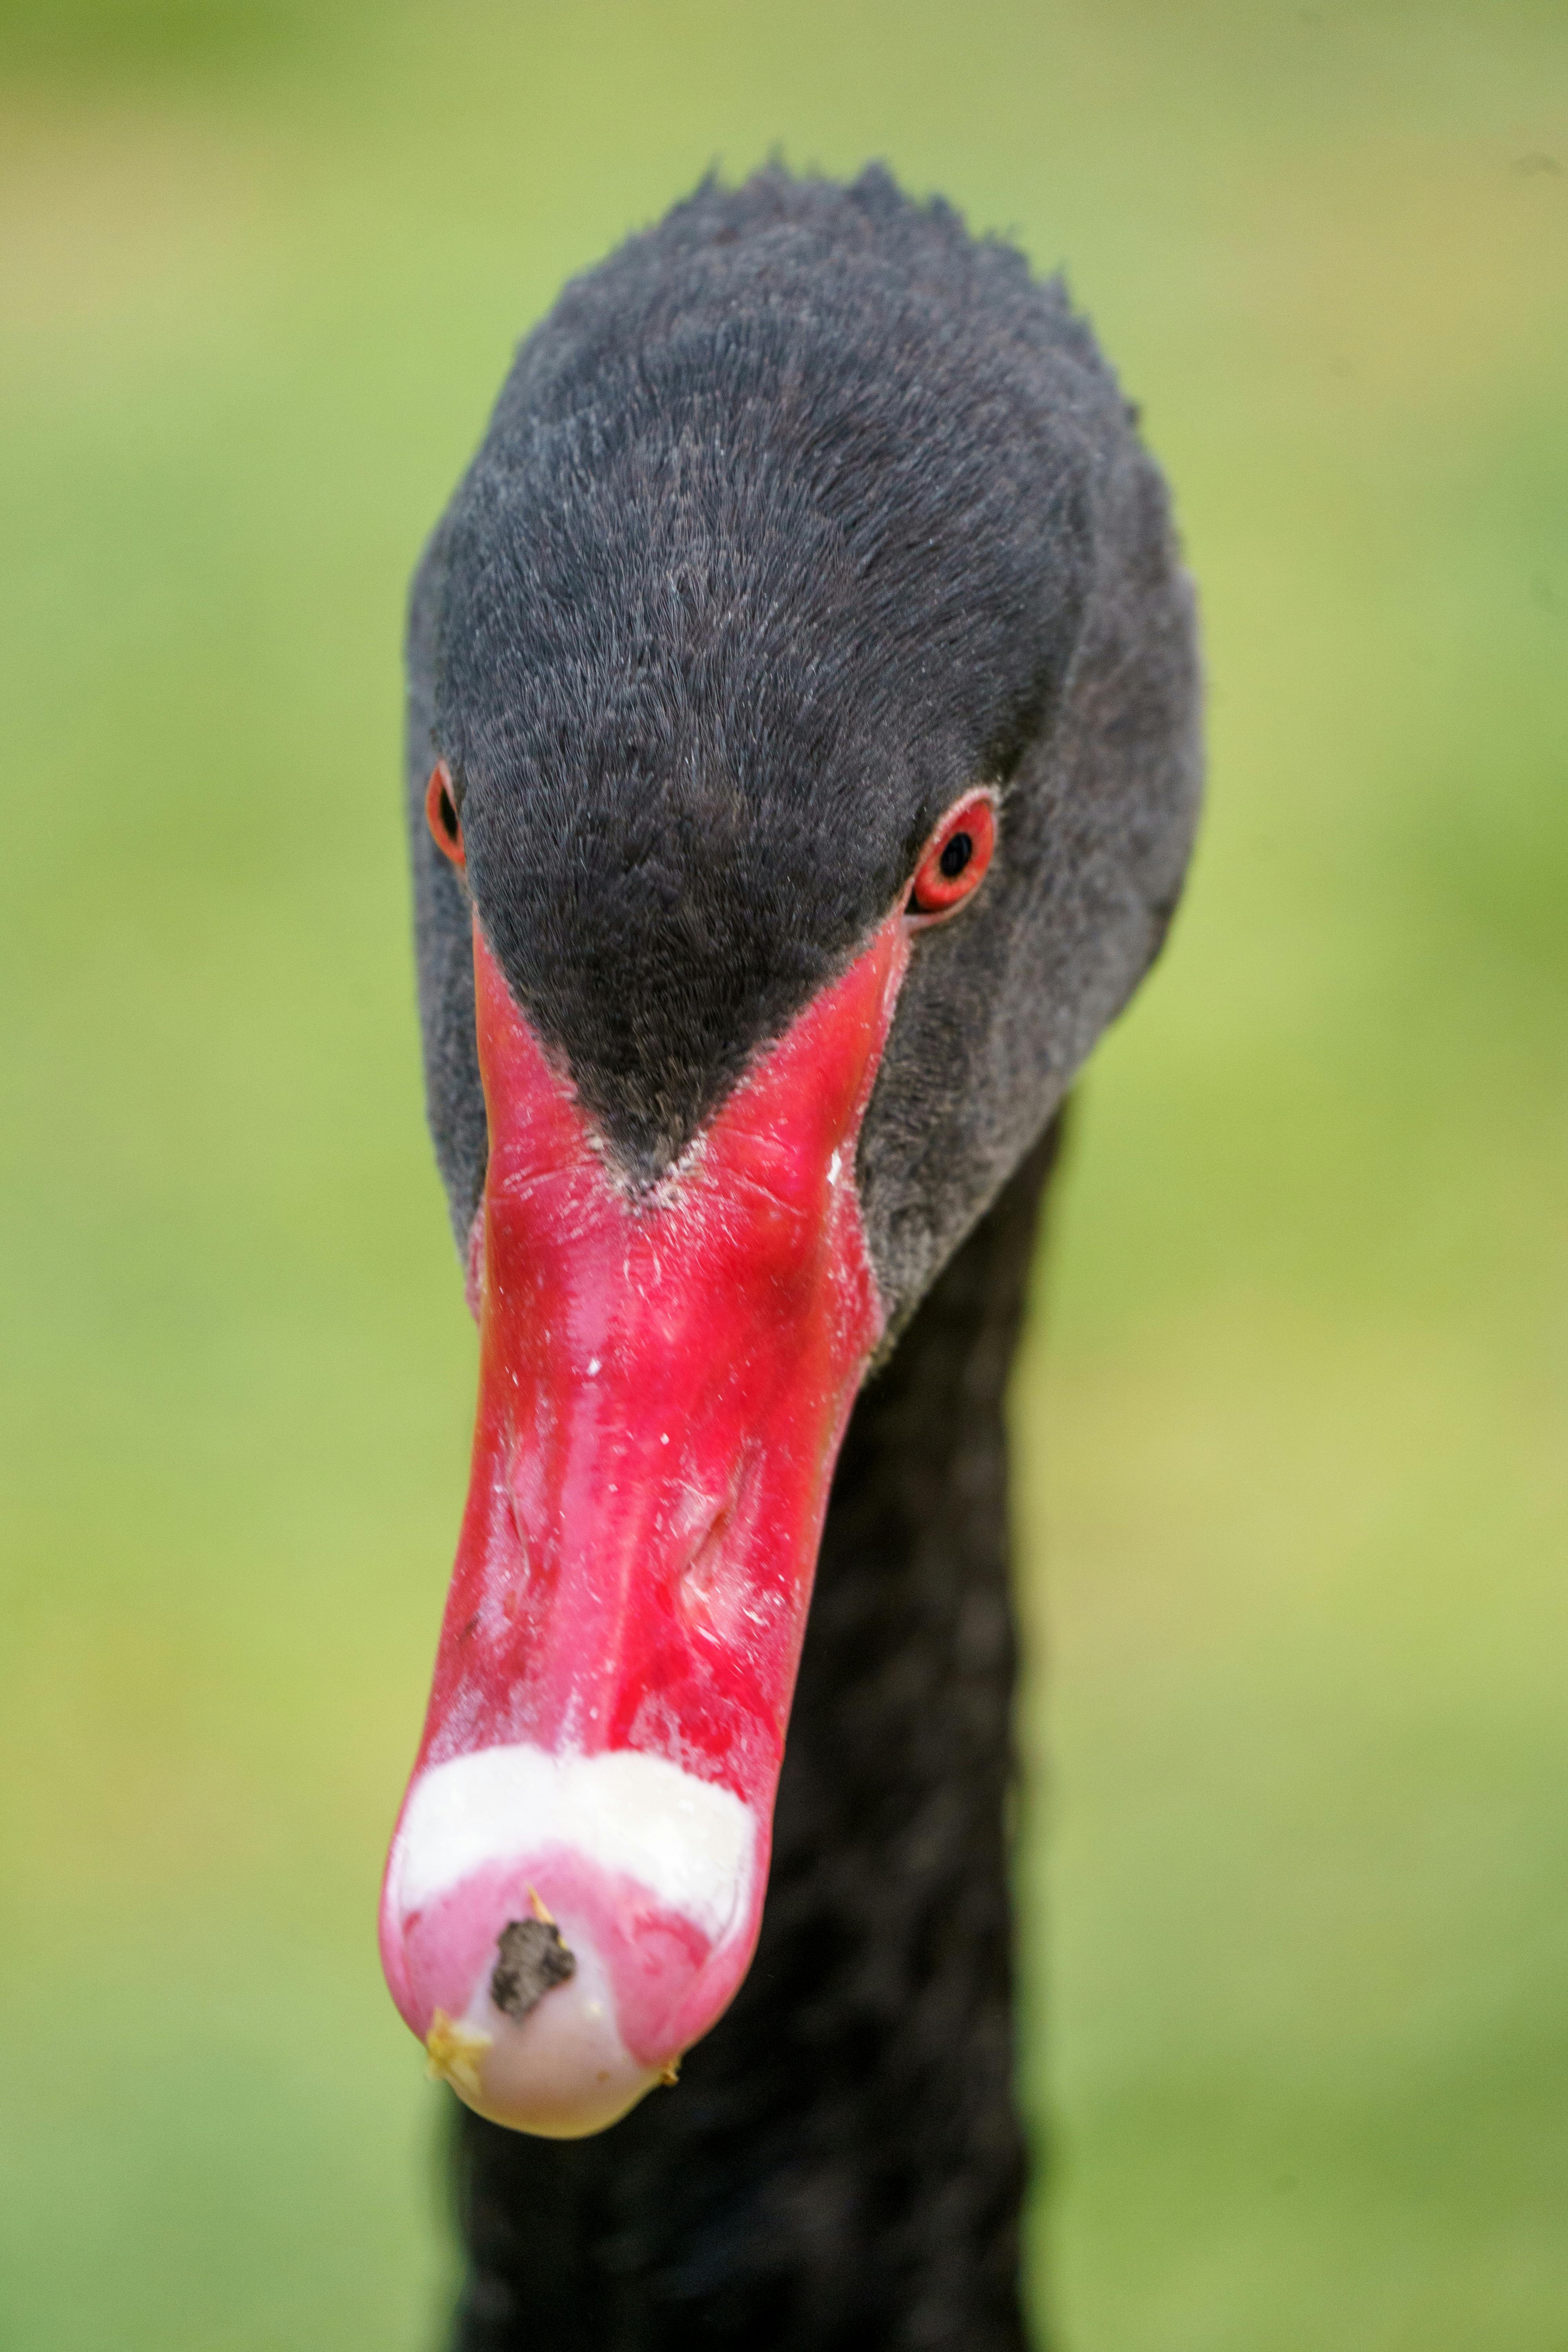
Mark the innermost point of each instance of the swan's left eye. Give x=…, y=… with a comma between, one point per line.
x=955, y=857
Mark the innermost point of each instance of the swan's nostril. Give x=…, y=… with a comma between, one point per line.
x=713, y=1582
x=534, y=1961
x=705, y=1561
x=522, y=1540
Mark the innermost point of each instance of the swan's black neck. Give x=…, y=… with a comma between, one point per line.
x=841, y=2168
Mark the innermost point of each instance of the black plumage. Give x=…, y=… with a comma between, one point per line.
x=800, y=514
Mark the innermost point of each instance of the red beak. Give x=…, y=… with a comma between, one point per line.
x=576, y=1886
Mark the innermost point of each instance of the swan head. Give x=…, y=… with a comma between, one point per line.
x=803, y=768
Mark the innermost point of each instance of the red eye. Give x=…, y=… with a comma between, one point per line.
x=441, y=814
x=956, y=857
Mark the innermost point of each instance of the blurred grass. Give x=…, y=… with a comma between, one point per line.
x=1295, y=1481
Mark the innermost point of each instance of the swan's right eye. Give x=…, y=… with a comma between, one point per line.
x=441, y=814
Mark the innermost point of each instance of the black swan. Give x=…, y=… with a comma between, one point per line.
x=804, y=760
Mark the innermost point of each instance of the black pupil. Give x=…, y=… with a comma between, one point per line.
x=955, y=856
x=448, y=816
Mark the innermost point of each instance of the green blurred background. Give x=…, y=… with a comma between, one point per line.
x=1294, y=1494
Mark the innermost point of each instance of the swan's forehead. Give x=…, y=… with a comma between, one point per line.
x=671, y=859
x=721, y=634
